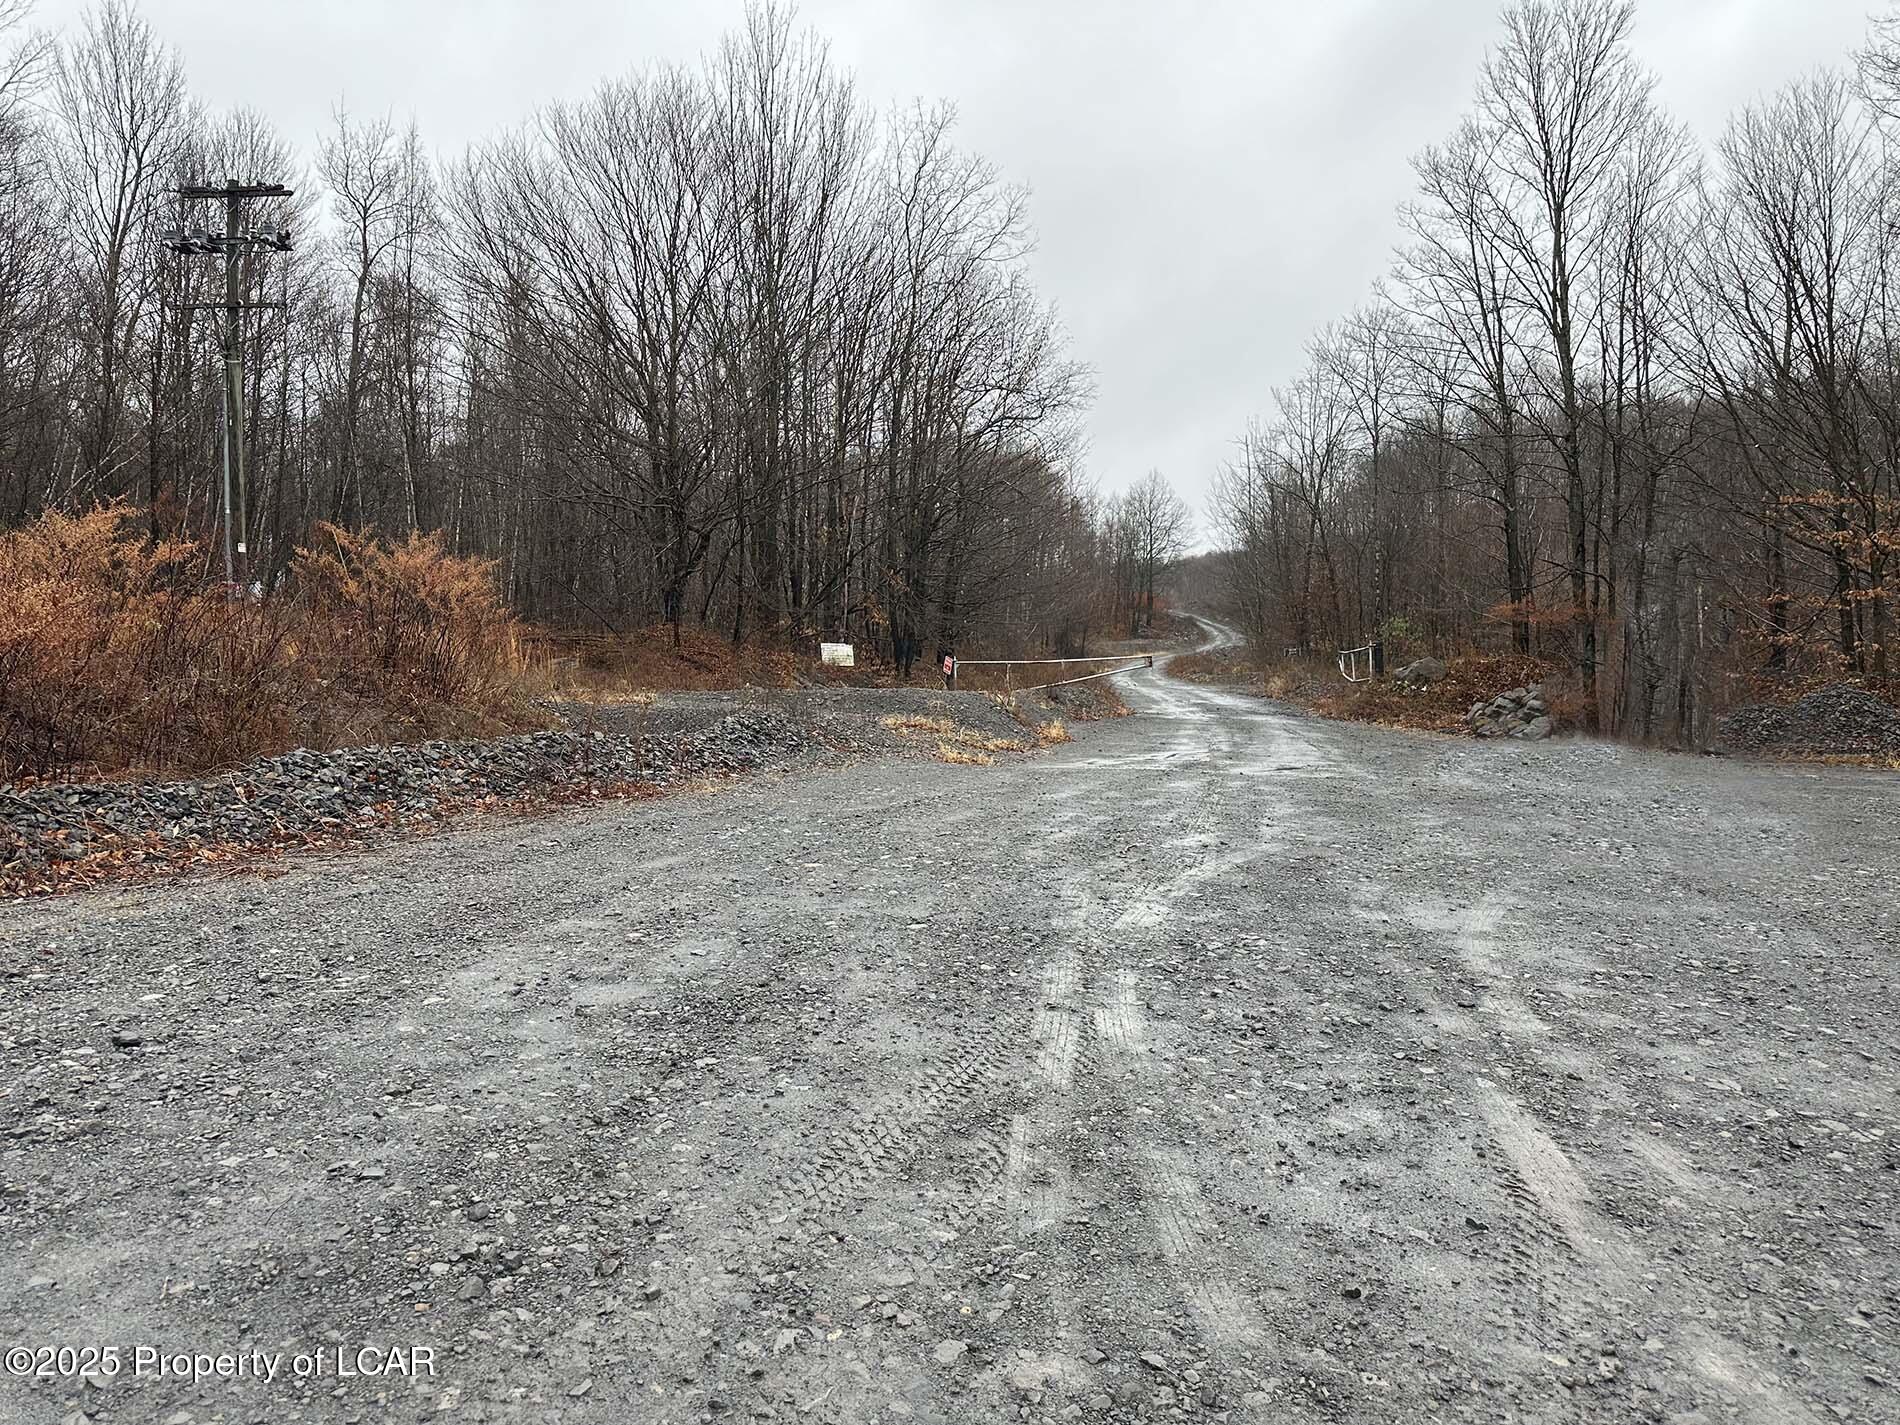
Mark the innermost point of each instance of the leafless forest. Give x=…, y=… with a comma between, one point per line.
x=721, y=345
x=718, y=345
x=1619, y=400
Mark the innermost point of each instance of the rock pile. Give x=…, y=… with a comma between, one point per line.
x=1836, y=721
x=304, y=794
x=1520, y=713
x=63, y=833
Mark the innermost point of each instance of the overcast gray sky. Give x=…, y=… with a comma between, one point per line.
x=1211, y=179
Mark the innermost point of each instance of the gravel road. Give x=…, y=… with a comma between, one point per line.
x=1222, y=1064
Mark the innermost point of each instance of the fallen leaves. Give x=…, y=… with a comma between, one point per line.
x=1441, y=706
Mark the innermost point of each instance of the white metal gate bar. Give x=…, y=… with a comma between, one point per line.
x=958, y=665
x=999, y=662
x=1148, y=661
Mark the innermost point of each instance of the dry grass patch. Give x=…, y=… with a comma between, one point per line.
x=913, y=722
x=955, y=742
x=1043, y=733
x=963, y=756
x=1223, y=666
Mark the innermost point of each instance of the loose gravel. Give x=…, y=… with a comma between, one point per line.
x=307, y=797
x=1223, y=1065
x=1839, y=720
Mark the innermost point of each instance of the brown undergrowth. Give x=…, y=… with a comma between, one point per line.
x=118, y=654
x=122, y=655
x=608, y=668
x=1442, y=706
x=1316, y=685
x=1224, y=666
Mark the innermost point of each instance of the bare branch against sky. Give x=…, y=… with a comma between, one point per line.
x=1210, y=183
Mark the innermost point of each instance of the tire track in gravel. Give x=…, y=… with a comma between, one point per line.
x=836, y=1222
x=1565, y=1252
x=527, y=937
x=882, y=1138
x=922, y=1152
x=915, y=1168
x=1566, y=1255
x=1059, y=1069
x=1234, y=1049
x=1561, y=1256
x=1178, y=1213
x=1179, y=1220
x=1035, y=1179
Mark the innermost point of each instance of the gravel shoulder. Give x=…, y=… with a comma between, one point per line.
x=57, y=836
x=1221, y=1064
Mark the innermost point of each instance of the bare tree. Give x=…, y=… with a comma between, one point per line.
x=715, y=343
x=1462, y=292
x=31, y=380
x=1564, y=99
x=119, y=97
x=366, y=168
x=1795, y=342
x=1159, y=524
x=1671, y=399
x=1365, y=355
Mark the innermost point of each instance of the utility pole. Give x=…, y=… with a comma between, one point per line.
x=233, y=242
x=234, y=382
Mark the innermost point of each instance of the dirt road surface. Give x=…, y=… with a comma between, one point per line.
x=1223, y=1064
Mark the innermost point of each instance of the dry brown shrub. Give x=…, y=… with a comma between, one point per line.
x=405, y=632
x=111, y=652
x=1221, y=666
x=1052, y=733
x=117, y=655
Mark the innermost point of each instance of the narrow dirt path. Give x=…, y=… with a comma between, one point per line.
x=1222, y=1064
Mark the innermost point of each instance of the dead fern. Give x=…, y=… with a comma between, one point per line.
x=119, y=653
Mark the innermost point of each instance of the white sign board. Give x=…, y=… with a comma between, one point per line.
x=837, y=655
